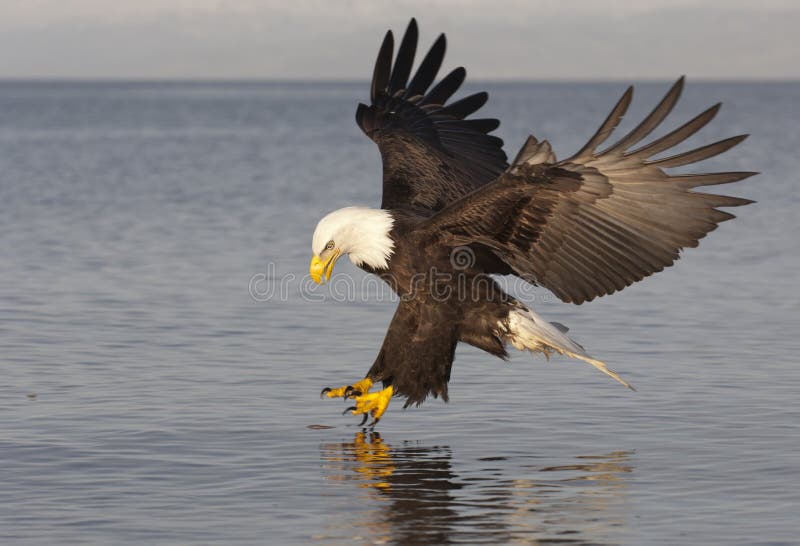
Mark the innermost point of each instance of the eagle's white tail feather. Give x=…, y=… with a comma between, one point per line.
x=529, y=331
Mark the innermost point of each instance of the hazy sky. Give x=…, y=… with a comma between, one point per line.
x=317, y=39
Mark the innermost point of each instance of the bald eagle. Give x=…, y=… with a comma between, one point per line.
x=454, y=212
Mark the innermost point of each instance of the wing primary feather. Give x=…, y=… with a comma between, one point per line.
x=405, y=58
x=482, y=125
x=723, y=200
x=445, y=88
x=466, y=106
x=698, y=154
x=678, y=135
x=710, y=179
x=383, y=66
x=429, y=67
x=653, y=119
x=608, y=126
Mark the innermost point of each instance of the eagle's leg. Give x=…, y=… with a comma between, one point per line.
x=349, y=391
x=374, y=404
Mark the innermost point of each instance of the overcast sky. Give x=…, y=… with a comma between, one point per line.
x=318, y=39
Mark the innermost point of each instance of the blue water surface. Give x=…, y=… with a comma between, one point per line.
x=162, y=356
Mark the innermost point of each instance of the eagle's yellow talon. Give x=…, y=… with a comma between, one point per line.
x=374, y=403
x=361, y=387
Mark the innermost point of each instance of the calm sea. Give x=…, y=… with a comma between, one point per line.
x=162, y=357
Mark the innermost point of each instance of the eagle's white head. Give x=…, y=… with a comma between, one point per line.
x=360, y=232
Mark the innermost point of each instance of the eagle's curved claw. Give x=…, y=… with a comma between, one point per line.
x=351, y=392
x=353, y=410
x=372, y=404
x=368, y=404
x=348, y=391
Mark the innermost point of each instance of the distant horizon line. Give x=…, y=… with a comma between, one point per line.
x=354, y=81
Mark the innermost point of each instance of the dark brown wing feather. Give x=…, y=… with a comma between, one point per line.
x=431, y=154
x=598, y=221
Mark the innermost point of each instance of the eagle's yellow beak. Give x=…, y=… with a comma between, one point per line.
x=317, y=268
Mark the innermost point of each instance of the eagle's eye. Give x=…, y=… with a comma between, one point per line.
x=330, y=245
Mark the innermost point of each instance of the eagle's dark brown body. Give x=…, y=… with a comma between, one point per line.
x=446, y=296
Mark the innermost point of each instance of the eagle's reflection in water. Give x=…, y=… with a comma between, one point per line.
x=411, y=494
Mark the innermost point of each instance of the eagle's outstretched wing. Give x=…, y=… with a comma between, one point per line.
x=598, y=221
x=432, y=155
